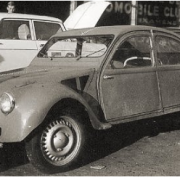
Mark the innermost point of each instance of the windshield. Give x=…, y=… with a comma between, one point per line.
x=89, y=46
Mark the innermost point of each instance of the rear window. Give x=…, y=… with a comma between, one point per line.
x=168, y=50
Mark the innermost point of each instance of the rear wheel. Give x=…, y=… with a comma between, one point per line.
x=59, y=145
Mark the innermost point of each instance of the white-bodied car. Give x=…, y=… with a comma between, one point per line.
x=22, y=36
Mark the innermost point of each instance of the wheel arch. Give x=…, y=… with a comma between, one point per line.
x=77, y=106
x=71, y=104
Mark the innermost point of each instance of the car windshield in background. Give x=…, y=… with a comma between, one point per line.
x=89, y=46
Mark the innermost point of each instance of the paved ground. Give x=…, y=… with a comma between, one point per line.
x=143, y=148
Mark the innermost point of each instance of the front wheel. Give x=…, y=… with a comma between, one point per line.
x=58, y=146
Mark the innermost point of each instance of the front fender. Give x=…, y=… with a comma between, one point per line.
x=32, y=106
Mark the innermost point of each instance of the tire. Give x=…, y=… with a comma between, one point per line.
x=59, y=145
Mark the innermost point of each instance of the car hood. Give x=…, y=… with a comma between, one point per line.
x=86, y=15
x=41, y=75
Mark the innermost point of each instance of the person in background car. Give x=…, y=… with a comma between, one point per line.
x=11, y=7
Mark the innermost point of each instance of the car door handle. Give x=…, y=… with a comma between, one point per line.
x=1, y=43
x=108, y=77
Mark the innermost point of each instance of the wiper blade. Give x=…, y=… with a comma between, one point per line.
x=79, y=57
x=94, y=52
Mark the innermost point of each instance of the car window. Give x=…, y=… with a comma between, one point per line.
x=44, y=30
x=168, y=50
x=133, y=52
x=15, y=29
x=85, y=46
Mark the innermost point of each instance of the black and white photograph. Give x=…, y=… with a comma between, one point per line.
x=90, y=88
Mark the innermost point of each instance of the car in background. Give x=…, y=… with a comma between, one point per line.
x=22, y=36
x=86, y=15
x=88, y=79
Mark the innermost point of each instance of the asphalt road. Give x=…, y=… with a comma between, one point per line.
x=143, y=148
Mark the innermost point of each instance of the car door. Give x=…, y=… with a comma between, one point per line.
x=168, y=57
x=128, y=85
x=44, y=30
x=17, y=48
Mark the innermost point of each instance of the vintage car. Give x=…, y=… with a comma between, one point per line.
x=84, y=80
x=22, y=36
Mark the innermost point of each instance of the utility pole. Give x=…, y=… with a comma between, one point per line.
x=134, y=12
x=73, y=6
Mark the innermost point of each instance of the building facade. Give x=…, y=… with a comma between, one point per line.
x=154, y=13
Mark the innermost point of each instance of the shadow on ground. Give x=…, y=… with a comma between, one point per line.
x=103, y=143
x=12, y=155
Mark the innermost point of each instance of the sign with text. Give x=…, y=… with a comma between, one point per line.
x=160, y=13
x=150, y=13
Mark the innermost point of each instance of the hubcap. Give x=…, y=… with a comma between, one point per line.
x=59, y=141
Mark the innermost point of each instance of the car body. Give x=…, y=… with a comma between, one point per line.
x=88, y=79
x=174, y=29
x=22, y=36
x=86, y=15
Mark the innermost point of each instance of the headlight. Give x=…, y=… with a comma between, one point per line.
x=7, y=103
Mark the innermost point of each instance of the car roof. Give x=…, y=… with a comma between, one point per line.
x=174, y=29
x=28, y=16
x=110, y=30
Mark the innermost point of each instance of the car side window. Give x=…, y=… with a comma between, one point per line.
x=168, y=50
x=132, y=53
x=15, y=29
x=44, y=30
